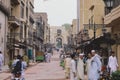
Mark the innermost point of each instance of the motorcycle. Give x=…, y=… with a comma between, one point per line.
x=17, y=76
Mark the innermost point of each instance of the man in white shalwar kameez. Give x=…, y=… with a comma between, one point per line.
x=80, y=68
x=73, y=68
x=88, y=64
x=95, y=66
x=49, y=57
x=112, y=63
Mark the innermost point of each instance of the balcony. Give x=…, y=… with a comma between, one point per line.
x=12, y=38
x=15, y=2
x=4, y=8
x=113, y=17
x=14, y=20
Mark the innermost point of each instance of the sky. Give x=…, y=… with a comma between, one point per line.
x=59, y=11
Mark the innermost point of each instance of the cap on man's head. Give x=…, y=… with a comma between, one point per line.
x=92, y=51
x=81, y=54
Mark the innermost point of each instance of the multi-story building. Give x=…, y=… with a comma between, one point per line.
x=74, y=26
x=112, y=20
x=90, y=19
x=20, y=29
x=4, y=13
x=93, y=33
x=73, y=33
x=44, y=31
x=29, y=30
x=41, y=23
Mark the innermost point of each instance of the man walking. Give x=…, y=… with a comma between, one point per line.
x=112, y=63
x=95, y=66
x=67, y=66
x=73, y=68
x=88, y=64
x=19, y=65
x=1, y=60
x=80, y=67
x=49, y=57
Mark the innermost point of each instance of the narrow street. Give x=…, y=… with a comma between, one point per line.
x=46, y=71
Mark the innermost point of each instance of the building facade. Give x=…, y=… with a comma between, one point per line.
x=4, y=14
x=41, y=27
x=20, y=28
x=45, y=30
x=93, y=34
x=58, y=36
x=90, y=19
x=112, y=20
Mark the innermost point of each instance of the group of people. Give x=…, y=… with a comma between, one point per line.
x=75, y=68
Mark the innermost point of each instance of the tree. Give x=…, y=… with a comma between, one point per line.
x=67, y=26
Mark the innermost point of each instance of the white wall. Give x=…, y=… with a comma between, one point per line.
x=3, y=31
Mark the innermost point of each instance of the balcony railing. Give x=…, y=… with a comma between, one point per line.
x=4, y=8
x=13, y=19
x=12, y=39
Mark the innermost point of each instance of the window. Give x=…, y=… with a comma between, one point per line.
x=26, y=12
x=116, y=3
x=22, y=10
x=59, y=31
x=31, y=8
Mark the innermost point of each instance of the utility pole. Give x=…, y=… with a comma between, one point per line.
x=94, y=31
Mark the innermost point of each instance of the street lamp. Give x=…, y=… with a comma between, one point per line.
x=108, y=5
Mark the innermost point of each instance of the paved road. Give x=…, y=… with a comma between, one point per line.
x=46, y=71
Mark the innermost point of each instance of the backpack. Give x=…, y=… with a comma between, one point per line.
x=17, y=68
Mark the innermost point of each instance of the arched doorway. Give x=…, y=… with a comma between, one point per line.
x=59, y=43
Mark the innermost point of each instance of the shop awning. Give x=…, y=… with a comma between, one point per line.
x=104, y=39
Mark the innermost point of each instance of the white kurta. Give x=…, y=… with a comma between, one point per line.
x=72, y=69
x=112, y=64
x=95, y=68
x=80, y=69
x=88, y=64
x=48, y=57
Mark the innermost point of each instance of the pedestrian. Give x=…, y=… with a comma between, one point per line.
x=24, y=66
x=15, y=64
x=49, y=57
x=45, y=56
x=95, y=66
x=112, y=63
x=1, y=61
x=88, y=64
x=67, y=66
x=62, y=57
x=73, y=75
x=80, y=67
